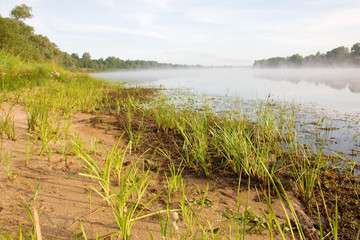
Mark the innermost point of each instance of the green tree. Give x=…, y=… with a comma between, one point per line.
x=86, y=56
x=21, y=12
x=355, y=53
x=355, y=49
x=75, y=56
x=85, y=61
x=294, y=60
x=339, y=55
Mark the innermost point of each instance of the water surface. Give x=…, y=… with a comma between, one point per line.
x=333, y=94
x=336, y=88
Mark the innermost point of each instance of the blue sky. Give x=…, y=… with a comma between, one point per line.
x=208, y=32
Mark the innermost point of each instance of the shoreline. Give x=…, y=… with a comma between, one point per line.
x=162, y=146
x=338, y=130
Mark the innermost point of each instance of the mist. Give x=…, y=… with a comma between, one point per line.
x=337, y=78
x=337, y=88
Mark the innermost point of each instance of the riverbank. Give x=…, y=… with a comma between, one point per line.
x=97, y=158
x=324, y=100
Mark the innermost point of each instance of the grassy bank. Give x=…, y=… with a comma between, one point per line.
x=162, y=145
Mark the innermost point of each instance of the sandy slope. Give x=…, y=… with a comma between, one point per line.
x=63, y=199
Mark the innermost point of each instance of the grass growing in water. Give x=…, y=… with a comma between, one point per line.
x=210, y=144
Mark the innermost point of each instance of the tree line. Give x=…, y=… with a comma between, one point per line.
x=114, y=63
x=338, y=57
x=19, y=39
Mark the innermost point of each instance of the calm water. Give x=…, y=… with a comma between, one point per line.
x=330, y=93
x=335, y=88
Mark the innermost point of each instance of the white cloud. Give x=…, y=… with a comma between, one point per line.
x=109, y=29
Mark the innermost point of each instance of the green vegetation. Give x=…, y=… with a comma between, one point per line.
x=161, y=142
x=130, y=181
x=340, y=56
x=21, y=12
x=234, y=144
x=19, y=40
x=115, y=63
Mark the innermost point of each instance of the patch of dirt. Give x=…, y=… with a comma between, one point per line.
x=63, y=195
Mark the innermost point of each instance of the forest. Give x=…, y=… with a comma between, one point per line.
x=337, y=57
x=114, y=63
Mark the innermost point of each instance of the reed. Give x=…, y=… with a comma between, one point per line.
x=10, y=174
x=165, y=111
x=7, y=123
x=131, y=182
x=175, y=181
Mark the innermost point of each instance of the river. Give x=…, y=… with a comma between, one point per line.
x=330, y=94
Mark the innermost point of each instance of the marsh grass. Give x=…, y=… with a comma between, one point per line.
x=93, y=146
x=124, y=198
x=192, y=125
x=43, y=120
x=164, y=112
x=131, y=107
x=134, y=135
x=77, y=145
x=167, y=230
x=240, y=145
x=306, y=172
x=29, y=144
x=246, y=222
x=252, y=144
x=272, y=220
x=332, y=219
x=7, y=123
x=241, y=141
x=187, y=212
x=175, y=181
x=194, y=130
x=10, y=174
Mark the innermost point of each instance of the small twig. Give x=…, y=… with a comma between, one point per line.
x=37, y=222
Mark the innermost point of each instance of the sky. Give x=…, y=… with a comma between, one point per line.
x=206, y=32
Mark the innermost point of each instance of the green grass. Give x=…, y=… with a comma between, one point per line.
x=241, y=143
x=260, y=145
x=7, y=123
x=131, y=181
x=175, y=181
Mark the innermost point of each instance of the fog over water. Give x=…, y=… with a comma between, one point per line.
x=335, y=88
x=333, y=94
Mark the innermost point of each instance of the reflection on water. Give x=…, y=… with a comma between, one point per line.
x=335, y=88
x=330, y=93
x=334, y=78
